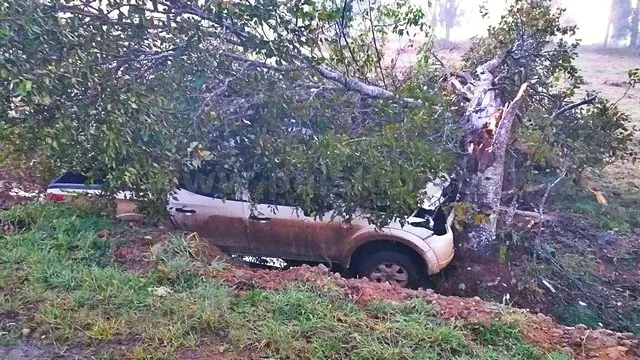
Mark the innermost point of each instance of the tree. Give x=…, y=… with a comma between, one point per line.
x=136, y=92
x=525, y=57
x=624, y=20
x=447, y=13
x=278, y=96
x=635, y=26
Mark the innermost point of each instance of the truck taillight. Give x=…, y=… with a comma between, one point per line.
x=55, y=197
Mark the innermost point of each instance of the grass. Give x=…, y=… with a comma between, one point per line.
x=621, y=215
x=577, y=314
x=603, y=72
x=58, y=275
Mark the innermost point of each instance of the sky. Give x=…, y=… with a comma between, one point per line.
x=590, y=15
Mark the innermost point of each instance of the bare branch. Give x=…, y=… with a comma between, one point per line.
x=461, y=89
x=534, y=217
x=360, y=87
x=349, y=83
x=575, y=105
x=375, y=48
x=453, y=72
x=563, y=173
x=262, y=64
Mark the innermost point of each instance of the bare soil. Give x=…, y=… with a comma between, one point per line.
x=580, y=273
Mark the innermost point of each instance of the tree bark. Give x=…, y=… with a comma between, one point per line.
x=488, y=132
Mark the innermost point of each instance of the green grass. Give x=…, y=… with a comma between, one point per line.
x=621, y=214
x=60, y=278
x=577, y=314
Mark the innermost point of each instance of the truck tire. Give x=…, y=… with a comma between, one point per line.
x=394, y=267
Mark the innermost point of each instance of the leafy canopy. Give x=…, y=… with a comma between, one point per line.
x=539, y=49
x=296, y=100
x=140, y=92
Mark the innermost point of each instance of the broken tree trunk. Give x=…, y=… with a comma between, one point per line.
x=488, y=131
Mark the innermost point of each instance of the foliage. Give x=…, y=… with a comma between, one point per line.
x=281, y=97
x=51, y=278
x=542, y=52
x=137, y=92
x=634, y=76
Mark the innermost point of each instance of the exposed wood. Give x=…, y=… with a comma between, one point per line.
x=535, y=216
x=599, y=196
x=527, y=189
x=488, y=133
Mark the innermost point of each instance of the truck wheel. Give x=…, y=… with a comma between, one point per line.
x=393, y=267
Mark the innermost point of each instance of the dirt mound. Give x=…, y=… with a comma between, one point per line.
x=579, y=342
x=581, y=274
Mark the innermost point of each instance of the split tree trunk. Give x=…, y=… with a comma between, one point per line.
x=488, y=131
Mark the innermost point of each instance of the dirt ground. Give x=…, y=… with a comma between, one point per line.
x=582, y=277
x=539, y=330
x=17, y=188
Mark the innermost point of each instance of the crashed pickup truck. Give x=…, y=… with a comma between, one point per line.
x=404, y=255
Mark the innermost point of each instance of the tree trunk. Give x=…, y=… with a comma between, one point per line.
x=608, y=32
x=635, y=24
x=488, y=131
x=447, y=32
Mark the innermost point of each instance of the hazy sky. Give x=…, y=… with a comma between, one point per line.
x=590, y=15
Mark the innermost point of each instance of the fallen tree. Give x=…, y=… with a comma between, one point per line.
x=137, y=92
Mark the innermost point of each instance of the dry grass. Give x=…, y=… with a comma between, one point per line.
x=607, y=73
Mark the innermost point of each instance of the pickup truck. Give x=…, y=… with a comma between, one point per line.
x=404, y=255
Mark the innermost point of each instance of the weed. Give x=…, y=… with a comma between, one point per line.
x=103, y=329
x=218, y=264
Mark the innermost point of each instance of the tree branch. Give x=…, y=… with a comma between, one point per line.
x=360, y=87
x=263, y=65
x=575, y=105
x=349, y=83
x=448, y=71
x=375, y=48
